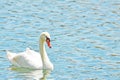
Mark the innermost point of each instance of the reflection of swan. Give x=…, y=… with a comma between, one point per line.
x=29, y=74
x=31, y=59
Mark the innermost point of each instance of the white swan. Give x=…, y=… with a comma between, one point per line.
x=30, y=58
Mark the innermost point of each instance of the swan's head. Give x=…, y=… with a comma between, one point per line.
x=45, y=37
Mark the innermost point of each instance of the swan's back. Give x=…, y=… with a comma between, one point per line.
x=26, y=59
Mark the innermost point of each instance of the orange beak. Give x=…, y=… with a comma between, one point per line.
x=48, y=42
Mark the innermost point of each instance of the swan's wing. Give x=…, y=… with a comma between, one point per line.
x=27, y=59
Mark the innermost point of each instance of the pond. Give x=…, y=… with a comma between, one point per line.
x=85, y=37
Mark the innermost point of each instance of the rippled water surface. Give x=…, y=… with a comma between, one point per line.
x=85, y=37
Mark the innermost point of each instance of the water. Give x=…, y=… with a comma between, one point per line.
x=85, y=37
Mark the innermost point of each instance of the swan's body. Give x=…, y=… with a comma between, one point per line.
x=27, y=59
x=30, y=58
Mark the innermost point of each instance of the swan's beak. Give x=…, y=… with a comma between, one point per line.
x=48, y=42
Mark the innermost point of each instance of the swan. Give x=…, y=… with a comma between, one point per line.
x=32, y=59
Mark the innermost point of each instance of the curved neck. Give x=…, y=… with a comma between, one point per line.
x=44, y=56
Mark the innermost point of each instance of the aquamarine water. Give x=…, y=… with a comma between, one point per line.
x=85, y=37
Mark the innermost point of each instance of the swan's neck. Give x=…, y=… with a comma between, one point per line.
x=45, y=60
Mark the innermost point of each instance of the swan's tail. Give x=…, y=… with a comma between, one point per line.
x=10, y=55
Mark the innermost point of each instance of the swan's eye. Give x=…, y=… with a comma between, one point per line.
x=47, y=39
